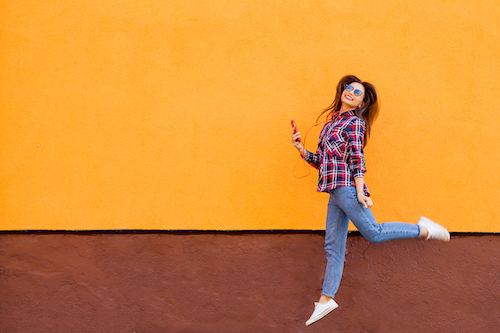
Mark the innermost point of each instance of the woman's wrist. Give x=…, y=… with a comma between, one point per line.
x=360, y=186
x=302, y=151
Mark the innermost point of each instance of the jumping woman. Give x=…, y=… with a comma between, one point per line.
x=341, y=164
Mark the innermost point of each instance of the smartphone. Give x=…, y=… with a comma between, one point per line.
x=294, y=125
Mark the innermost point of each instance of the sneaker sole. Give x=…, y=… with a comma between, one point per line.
x=327, y=311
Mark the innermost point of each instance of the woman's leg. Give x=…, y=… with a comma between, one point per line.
x=364, y=220
x=335, y=239
x=337, y=223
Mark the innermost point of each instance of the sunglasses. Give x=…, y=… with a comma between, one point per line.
x=350, y=88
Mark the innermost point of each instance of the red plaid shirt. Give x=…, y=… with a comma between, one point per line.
x=339, y=157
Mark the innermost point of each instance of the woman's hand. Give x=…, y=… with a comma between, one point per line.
x=296, y=143
x=366, y=201
x=360, y=184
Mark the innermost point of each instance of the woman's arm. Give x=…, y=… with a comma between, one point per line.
x=357, y=160
x=309, y=157
x=356, y=132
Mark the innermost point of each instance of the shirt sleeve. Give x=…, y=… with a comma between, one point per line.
x=312, y=159
x=355, y=146
x=315, y=159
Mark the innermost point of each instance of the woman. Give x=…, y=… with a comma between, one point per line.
x=341, y=164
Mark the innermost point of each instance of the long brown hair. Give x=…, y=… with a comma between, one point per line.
x=368, y=112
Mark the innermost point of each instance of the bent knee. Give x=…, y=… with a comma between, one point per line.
x=372, y=237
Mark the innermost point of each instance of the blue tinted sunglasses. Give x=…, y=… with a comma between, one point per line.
x=350, y=88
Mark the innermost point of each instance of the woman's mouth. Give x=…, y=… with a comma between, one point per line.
x=348, y=97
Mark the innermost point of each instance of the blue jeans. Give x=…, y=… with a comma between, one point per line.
x=342, y=207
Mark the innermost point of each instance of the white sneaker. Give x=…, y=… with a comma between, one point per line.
x=321, y=310
x=435, y=231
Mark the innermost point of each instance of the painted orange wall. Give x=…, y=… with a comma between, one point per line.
x=175, y=114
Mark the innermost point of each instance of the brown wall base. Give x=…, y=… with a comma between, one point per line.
x=243, y=282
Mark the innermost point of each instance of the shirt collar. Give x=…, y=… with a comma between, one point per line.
x=348, y=113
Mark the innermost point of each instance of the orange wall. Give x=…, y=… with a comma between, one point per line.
x=175, y=114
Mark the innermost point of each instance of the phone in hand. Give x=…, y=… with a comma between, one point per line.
x=294, y=125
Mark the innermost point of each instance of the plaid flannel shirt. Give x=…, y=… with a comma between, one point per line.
x=339, y=157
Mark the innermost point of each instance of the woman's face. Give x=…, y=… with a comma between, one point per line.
x=353, y=95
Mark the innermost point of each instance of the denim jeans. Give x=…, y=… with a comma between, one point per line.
x=342, y=207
